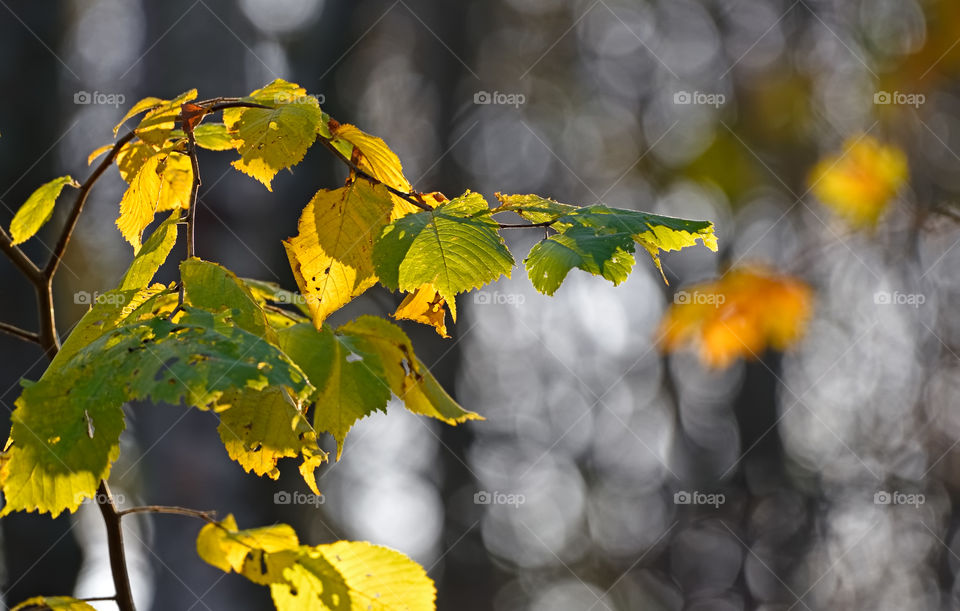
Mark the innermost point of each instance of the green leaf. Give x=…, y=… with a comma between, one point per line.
x=66, y=426
x=213, y=136
x=65, y=434
x=258, y=428
x=332, y=257
x=54, y=603
x=455, y=247
x=407, y=376
x=341, y=576
x=214, y=288
x=349, y=380
x=602, y=254
x=152, y=255
x=275, y=138
x=534, y=208
x=599, y=239
x=38, y=209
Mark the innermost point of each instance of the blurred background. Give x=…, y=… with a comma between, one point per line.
x=606, y=475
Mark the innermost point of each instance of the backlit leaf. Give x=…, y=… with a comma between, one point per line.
x=332, y=256
x=38, y=209
x=213, y=136
x=349, y=380
x=455, y=247
x=53, y=603
x=258, y=428
x=341, y=576
x=163, y=182
x=275, y=138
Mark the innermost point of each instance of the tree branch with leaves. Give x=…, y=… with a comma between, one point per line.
x=263, y=357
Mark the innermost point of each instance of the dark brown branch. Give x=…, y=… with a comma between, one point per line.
x=524, y=225
x=57, y=257
x=194, y=190
x=18, y=332
x=118, y=561
x=18, y=257
x=209, y=516
x=234, y=104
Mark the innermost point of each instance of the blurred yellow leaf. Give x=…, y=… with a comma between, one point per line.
x=740, y=315
x=859, y=183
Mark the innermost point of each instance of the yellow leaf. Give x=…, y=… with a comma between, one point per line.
x=157, y=124
x=141, y=106
x=331, y=257
x=225, y=547
x=426, y=306
x=275, y=138
x=353, y=576
x=54, y=603
x=738, y=316
x=859, y=183
x=341, y=576
x=376, y=159
x=163, y=182
x=97, y=152
x=258, y=428
x=132, y=156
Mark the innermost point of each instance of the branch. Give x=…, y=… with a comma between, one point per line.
x=410, y=197
x=233, y=103
x=18, y=257
x=18, y=332
x=57, y=257
x=118, y=562
x=209, y=516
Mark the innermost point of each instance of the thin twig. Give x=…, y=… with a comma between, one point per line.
x=57, y=257
x=353, y=166
x=525, y=225
x=18, y=332
x=209, y=516
x=235, y=104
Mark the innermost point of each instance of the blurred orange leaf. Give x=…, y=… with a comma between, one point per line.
x=738, y=316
